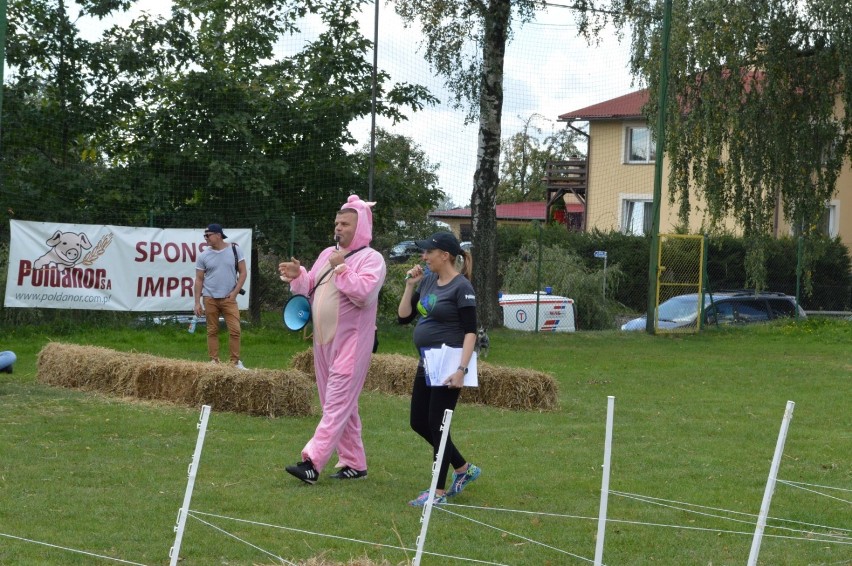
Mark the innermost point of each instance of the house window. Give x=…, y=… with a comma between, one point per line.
x=639, y=145
x=830, y=219
x=636, y=215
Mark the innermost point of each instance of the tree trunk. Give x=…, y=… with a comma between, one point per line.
x=485, y=180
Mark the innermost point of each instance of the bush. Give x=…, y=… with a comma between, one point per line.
x=566, y=273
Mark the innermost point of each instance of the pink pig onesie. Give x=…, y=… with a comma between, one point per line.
x=344, y=307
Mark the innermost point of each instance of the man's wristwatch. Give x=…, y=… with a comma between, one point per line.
x=463, y=369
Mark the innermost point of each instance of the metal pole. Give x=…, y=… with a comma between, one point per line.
x=372, y=166
x=770, y=485
x=799, y=249
x=662, y=104
x=292, y=233
x=3, y=21
x=538, y=278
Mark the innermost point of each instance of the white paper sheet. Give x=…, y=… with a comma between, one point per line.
x=444, y=361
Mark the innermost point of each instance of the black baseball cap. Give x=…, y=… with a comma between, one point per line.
x=216, y=228
x=445, y=241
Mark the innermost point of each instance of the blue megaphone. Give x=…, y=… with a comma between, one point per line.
x=297, y=312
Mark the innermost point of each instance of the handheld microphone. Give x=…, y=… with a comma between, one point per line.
x=425, y=273
x=337, y=242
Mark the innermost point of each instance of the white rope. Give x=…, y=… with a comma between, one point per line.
x=816, y=485
x=647, y=524
x=71, y=549
x=223, y=531
x=655, y=500
x=799, y=486
x=337, y=537
x=723, y=531
x=522, y=512
x=445, y=510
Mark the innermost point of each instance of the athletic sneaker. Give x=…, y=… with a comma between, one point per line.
x=239, y=365
x=424, y=497
x=305, y=471
x=461, y=479
x=347, y=473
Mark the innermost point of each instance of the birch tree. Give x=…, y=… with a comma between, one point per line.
x=465, y=42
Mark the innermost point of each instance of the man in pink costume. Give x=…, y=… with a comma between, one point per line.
x=344, y=288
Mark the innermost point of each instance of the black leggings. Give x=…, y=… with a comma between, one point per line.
x=427, y=413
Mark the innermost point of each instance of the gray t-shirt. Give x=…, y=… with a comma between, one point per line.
x=438, y=307
x=220, y=273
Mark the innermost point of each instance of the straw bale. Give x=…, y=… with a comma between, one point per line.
x=518, y=389
x=304, y=361
x=143, y=376
x=257, y=392
x=391, y=373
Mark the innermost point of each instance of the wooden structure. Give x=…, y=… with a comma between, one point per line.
x=563, y=178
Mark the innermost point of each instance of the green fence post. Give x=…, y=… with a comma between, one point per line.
x=538, y=276
x=799, y=253
x=292, y=233
x=662, y=105
x=3, y=22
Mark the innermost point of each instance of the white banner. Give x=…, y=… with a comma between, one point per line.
x=117, y=268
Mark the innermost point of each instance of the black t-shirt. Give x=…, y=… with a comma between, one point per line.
x=438, y=307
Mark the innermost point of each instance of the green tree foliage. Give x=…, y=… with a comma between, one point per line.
x=524, y=159
x=465, y=41
x=178, y=120
x=569, y=276
x=406, y=188
x=760, y=109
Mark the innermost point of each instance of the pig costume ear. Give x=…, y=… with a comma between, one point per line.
x=364, y=229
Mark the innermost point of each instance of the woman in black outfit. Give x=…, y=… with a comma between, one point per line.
x=445, y=300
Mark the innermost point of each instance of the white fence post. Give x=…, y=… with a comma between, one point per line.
x=436, y=469
x=174, y=551
x=770, y=485
x=599, y=544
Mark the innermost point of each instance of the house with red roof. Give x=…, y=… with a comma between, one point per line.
x=459, y=219
x=620, y=176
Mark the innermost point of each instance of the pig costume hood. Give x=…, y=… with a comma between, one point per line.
x=364, y=229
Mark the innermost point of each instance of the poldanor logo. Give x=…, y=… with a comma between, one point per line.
x=59, y=266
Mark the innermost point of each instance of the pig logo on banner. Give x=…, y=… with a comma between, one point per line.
x=66, y=250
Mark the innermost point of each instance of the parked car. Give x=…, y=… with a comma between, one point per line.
x=181, y=319
x=724, y=307
x=404, y=251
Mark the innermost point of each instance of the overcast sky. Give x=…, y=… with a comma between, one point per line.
x=548, y=71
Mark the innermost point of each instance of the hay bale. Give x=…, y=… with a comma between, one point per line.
x=508, y=388
x=86, y=367
x=225, y=388
x=518, y=389
x=257, y=392
x=391, y=373
x=304, y=361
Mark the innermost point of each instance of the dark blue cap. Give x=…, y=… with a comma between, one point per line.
x=445, y=241
x=217, y=228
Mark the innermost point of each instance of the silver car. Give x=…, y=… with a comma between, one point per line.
x=724, y=307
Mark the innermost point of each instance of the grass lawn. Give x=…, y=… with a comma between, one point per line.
x=696, y=423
